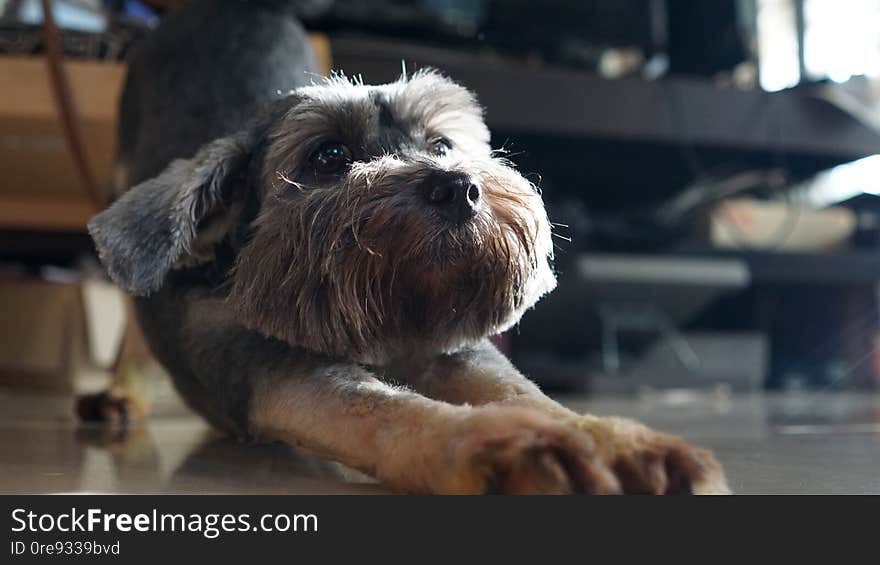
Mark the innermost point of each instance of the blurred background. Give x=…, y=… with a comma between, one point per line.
x=712, y=168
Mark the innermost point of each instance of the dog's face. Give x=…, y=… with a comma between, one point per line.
x=385, y=223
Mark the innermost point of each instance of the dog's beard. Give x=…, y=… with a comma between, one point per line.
x=368, y=271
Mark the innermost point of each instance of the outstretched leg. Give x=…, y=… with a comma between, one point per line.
x=477, y=375
x=644, y=461
x=415, y=444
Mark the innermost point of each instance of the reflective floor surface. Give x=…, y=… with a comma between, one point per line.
x=789, y=444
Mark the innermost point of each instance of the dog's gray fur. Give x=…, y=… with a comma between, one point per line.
x=253, y=271
x=219, y=165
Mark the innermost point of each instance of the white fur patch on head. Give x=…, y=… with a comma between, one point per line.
x=443, y=107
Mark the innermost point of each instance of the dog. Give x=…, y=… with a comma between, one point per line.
x=324, y=267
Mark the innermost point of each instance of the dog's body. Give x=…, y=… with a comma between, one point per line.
x=324, y=268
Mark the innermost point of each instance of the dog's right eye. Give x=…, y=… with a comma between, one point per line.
x=330, y=157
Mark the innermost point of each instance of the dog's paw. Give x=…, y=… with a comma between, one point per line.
x=648, y=462
x=107, y=408
x=518, y=451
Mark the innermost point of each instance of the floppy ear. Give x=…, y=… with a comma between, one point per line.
x=157, y=223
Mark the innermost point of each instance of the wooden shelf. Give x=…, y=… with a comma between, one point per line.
x=40, y=189
x=44, y=214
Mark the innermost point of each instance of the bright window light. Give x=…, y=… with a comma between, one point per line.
x=842, y=183
x=841, y=39
x=777, y=45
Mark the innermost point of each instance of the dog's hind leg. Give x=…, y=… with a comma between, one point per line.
x=127, y=398
x=643, y=460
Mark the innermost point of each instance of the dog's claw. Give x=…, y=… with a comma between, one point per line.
x=515, y=451
x=649, y=462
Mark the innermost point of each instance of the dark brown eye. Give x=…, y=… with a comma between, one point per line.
x=330, y=157
x=440, y=147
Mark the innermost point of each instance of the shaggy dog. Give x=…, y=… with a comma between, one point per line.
x=324, y=267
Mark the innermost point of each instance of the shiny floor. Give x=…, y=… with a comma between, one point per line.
x=788, y=444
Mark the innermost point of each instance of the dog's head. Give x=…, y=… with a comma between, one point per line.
x=385, y=222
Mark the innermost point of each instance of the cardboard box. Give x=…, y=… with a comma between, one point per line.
x=56, y=335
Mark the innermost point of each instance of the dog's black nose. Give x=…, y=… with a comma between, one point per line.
x=454, y=195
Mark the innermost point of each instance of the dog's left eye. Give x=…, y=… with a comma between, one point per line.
x=330, y=157
x=440, y=147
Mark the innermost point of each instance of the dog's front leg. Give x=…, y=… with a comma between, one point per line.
x=477, y=375
x=415, y=444
x=643, y=460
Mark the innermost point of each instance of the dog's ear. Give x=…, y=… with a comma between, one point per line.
x=160, y=222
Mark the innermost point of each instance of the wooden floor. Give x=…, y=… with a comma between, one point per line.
x=822, y=443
